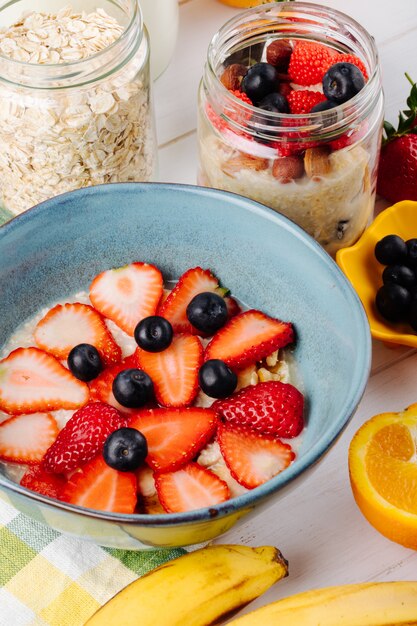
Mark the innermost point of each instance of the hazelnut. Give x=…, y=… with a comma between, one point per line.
x=278, y=54
x=286, y=169
x=284, y=89
x=232, y=76
x=317, y=162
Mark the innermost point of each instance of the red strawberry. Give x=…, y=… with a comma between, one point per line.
x=192, y=487
x=82, y=437
x=101, y=388
x=270, y=408
x=67, y=325
x=241, y=96
x=174, y=371
x=303, y=100
x=100, y=487
x=233, y=308
x=350, y=58
x=128, y=294
x=310, y=61
x=348, y=139
x=252, y=458
x=247, y=338
x=397, y=175
x=190, y=284
x=215, y=120
x=47, y=484
x=174, y=436
x=26, y=438
x=32, y=380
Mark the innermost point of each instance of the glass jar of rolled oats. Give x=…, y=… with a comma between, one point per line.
x=75, y=105
x=304, y=147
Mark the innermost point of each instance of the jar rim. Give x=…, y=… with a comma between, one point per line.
x=268, y=14
x=74, y=69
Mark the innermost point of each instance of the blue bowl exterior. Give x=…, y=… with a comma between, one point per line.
x=56, y=248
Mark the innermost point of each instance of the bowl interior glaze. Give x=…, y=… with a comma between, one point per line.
x=57, y=248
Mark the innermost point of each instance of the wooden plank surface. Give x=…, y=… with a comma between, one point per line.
x=317, y=526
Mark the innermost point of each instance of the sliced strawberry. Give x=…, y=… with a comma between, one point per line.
x=67, y=325
x=32, y=380
x=252, y=458
x=192, y=487
x=101, y=388
x=270, y=408
x=190, y=284
x=98, y=486
x=26, y=438
x=47, y=484
x=174, y=436
x=174, y=371
x=82, y=437
x=128, y=294
x=247, y=338
x=233, y=307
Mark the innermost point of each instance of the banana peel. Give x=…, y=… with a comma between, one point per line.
x=195, y=589
x=366, y=604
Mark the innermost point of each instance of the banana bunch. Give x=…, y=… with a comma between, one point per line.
x=367, y=604
x=196, y=589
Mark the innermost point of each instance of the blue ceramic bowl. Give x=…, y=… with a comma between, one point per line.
x=267, y=261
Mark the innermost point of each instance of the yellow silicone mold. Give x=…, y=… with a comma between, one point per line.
x=359, y=264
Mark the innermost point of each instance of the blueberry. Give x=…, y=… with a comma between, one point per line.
x=84, y=362
x=125, y=449
x=217, y=379
x=411, y=252
x=342, y=81
x=132, y=388
x=325, y=105
x=274, y=102
x=260, y=80
x=391, y=250
x=400, y=275
x=330, y=117
x=261, y=124
x=207, y=312
x=393, y=302
x=153, y=334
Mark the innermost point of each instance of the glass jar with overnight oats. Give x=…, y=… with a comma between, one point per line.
x=290, y=115
x=75, y=105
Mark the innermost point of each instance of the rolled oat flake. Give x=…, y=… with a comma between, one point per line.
x=75, y=103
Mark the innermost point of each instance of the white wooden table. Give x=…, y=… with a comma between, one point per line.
x=318, y=527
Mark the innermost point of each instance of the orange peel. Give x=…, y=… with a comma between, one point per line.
x=383, y=474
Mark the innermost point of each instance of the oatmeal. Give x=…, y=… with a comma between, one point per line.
x=200, y=394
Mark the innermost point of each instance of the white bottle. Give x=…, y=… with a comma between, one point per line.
x=161, y=20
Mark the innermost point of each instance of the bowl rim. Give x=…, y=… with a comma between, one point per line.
x=248, y=500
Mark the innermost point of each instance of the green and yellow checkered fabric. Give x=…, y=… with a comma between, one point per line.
x=49, y=579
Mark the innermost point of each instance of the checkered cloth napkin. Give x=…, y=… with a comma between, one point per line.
x=49, y=579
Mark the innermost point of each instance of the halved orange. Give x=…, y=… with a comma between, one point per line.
x=383, y=474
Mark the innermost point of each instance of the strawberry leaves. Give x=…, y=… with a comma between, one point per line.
x=407, y=119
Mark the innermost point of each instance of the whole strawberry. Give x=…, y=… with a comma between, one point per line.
x=303, y=100
x=309, y=62
x=82, y=437
x=270, y=408
x=397, y=174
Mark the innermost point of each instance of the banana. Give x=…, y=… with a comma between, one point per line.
x=366, y=604
x=195, y=589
